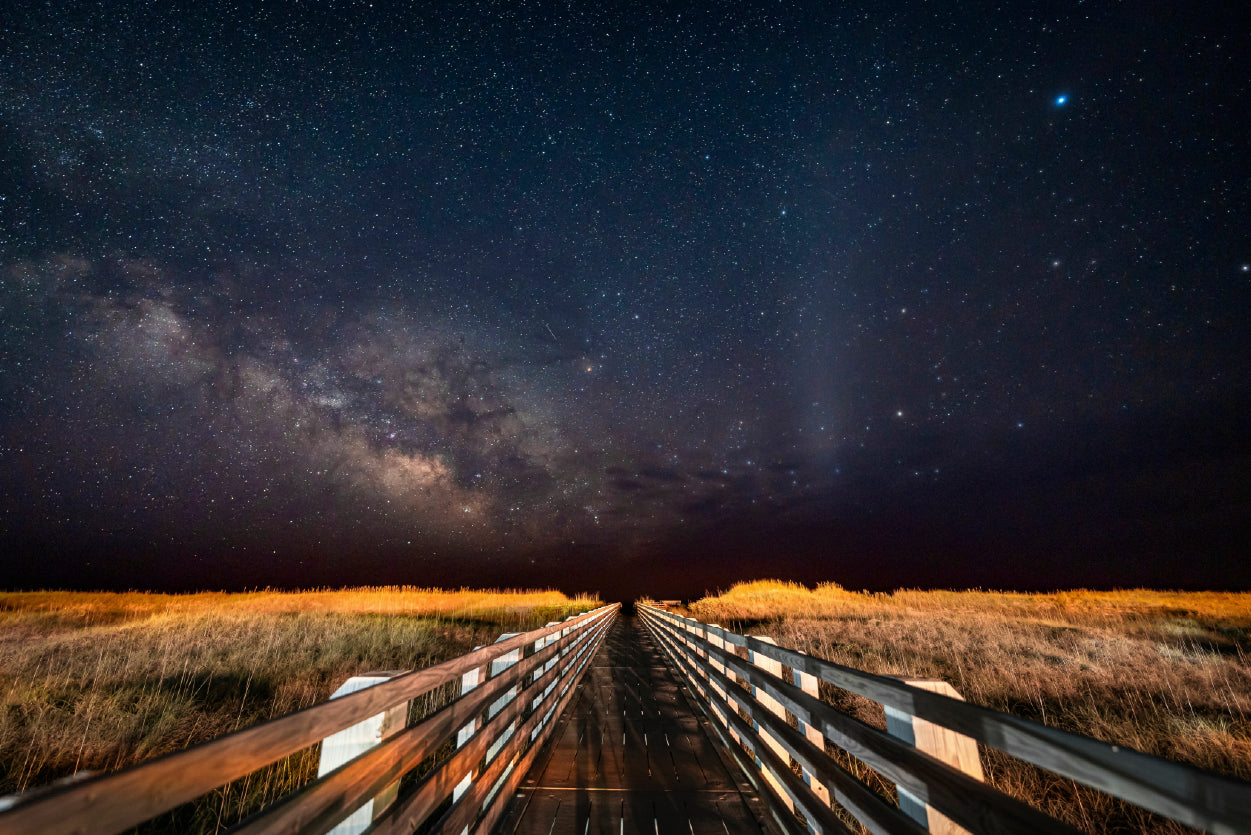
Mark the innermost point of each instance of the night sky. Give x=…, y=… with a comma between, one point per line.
x=624, y=297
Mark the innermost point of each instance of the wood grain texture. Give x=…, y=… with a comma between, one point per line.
x=322, y=804
x=631, y=755
x=853, y=795
x=114, y=802
x=975, y=805
x=957, y=750
x=1184, y=793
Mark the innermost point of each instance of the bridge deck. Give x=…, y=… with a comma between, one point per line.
x=631, y=754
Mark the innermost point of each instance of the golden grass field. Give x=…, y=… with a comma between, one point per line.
x=98, y=681
x=1167, y=673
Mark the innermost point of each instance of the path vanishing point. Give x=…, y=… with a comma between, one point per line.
x=632, y=753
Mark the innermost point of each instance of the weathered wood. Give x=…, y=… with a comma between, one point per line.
x=496, y=668
x=714, y=638
x=468, y=807
x=350, y=743
x=532, y=737
x=468, y=681
x=544, y=725
x=974, y=804
x=786, y=788
x=957, y=750
x=808, y=684
x=850, y=793
x=318, y=806
x=1184, y=793
x=413, y=810
x=977, y=806
x=114, y=802
x=529, y=740
x=630, y=754
x=773, y=706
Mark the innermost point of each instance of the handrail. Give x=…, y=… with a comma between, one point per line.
x=949, y=790
x=115, y=802
x=503, y=773
x=1190, y=795
x=320, y=805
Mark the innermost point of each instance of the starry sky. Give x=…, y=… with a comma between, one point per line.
x=637, y=298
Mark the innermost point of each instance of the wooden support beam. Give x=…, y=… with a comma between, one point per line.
x=350, y=743
x=118, y=801
x=775, y=707
x=810, y=685
x=957, y=750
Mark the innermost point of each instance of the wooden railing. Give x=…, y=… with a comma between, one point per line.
x=926, y=750
x=510, y=694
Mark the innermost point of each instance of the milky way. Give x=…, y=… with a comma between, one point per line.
x=625, y=298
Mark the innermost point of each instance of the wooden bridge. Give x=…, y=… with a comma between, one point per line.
x=632, y=755
x=655, y=723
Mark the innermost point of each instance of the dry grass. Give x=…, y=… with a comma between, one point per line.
x=95, y=681
x=1167, y=673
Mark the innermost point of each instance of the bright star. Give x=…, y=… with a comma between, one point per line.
x=1061, y=101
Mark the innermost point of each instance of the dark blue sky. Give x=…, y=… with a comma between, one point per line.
x=624, y=298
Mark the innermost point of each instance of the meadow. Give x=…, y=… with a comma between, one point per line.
x=1167, y=673
x=98, y=681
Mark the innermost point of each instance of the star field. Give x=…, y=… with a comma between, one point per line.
x=623, y=296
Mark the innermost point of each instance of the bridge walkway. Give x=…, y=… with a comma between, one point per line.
x=633, y=754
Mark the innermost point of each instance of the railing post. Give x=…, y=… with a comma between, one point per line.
x=717, y=709
x=772, y=705
x=350, y=743
x=957, y=750
x=469, y=681
x=539, y=671
x=809, y=684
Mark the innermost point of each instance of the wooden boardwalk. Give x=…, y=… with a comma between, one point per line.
x=632, y=754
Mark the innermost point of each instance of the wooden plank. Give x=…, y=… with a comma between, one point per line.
x=668, y=773
x=852, y=795
x=611, y=813
x=772, y=705
x=406, y=816
x=957, y=750
x=974, y=804
x=350, y=743
x=808, y=684
x=438, y=786
x=320, y=805
x=1187, y=794
x=114, y=802
x=515, y=760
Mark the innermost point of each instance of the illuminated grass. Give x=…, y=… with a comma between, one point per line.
x=98, y=681
x=1164, y=672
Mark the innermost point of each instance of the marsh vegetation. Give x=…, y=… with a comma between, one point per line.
x=96, y=681
x=1167, y=673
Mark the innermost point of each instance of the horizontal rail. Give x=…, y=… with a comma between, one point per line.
x=501, y=775
x=115, y=802
x=1184, y=793
x=977, y=806
x=412, y=811
x=856, y=795
x=319, y=806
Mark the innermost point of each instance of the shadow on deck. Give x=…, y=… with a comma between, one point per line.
x=633, y=754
